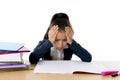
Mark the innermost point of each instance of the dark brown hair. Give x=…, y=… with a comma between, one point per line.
x=60, y=19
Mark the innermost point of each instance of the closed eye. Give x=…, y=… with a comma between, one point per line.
x=64, y=39
x=56, y=39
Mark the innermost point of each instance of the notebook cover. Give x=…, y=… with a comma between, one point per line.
x=21, y=50
x=10, y=46
x=13, y=66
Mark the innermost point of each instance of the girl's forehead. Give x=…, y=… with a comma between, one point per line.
x=61, y=35
x=61, y=32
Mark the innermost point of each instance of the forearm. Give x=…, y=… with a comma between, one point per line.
x=41, y=49
x=82, y=53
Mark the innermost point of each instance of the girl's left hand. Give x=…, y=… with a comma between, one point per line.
x=69, y=34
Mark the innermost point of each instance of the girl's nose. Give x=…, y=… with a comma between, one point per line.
x=60, y=46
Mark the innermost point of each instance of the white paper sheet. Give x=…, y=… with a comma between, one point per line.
x=68, y=67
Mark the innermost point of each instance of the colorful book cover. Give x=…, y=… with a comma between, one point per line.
x=21, y=50
x=10, y=46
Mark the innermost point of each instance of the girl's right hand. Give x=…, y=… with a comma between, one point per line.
x=52, y=34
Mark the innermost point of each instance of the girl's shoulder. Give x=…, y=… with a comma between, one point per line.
x=45, y=41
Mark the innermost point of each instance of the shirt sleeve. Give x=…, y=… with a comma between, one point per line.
x=79, y=51
x=39, y=51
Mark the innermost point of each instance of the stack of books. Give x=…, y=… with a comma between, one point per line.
x=11, y=56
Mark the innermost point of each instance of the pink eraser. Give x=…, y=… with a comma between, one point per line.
x=104, y=73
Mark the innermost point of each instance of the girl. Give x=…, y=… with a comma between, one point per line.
x=58, y=42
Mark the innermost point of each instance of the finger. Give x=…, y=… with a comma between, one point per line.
x=54, y=28
x=52, y=35
x=70, y=31
x=69, y=38
x=68, y=34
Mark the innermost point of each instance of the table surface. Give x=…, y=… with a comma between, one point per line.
x=29, y=75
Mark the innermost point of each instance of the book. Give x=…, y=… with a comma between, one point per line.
x=21, y=50
x=13, y=66
x=10, y=46
x=69, y=67
x=11, y=58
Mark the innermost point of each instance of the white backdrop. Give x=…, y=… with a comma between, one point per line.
x=96, y=23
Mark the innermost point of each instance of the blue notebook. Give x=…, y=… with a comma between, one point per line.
x=10, y=46
x=21, y=50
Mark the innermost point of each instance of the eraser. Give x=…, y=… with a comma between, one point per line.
x=104, y=73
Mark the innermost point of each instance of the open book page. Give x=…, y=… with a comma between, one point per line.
x=69, y=67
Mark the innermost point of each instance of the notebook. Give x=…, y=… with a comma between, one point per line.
x=13, y=66
x=21, y=50
x=11, y=58
x=10, y=46
x=69, y=67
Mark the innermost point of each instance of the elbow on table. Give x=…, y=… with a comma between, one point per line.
x=87, y=59
x=33, y=59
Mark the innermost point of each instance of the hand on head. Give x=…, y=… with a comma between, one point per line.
x=54, y=31
x=69, y=34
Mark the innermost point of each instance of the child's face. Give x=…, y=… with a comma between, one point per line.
x=61, y=40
